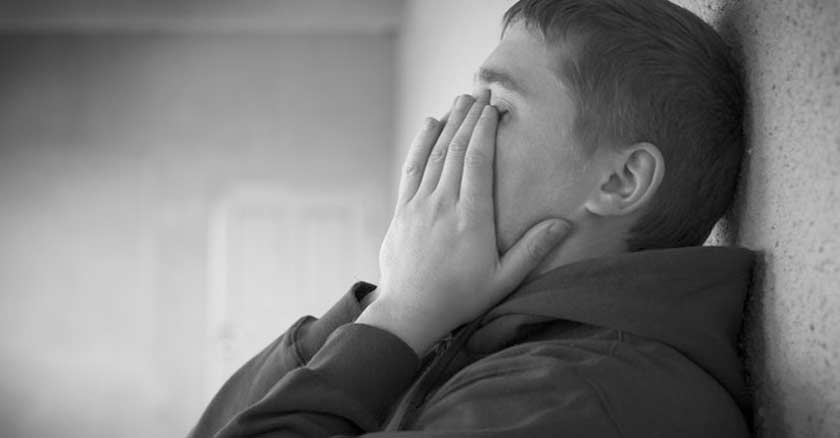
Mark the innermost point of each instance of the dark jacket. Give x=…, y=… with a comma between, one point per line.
x=636, y=345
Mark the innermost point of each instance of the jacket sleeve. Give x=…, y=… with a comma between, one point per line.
x=290, y=351
x=349, y=386
x=346, y=389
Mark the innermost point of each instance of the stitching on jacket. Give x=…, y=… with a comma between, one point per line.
x=443, y=392
x=620, y=336
x=603, y=402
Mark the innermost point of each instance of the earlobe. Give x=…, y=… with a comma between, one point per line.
x=631, y=178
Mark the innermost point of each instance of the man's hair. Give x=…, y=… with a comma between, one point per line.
x=651, y=71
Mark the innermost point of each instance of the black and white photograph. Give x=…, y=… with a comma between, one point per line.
x=420, y=218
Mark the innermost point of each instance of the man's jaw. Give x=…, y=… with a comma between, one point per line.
x=591, y=238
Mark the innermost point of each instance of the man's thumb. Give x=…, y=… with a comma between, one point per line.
x=530, y=250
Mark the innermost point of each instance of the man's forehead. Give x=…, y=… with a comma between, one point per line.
x=490, y=74
x=521, y=66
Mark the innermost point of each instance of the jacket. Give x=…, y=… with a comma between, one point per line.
x=636, y=345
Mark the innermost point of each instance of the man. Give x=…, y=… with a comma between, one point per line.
x=614, y=126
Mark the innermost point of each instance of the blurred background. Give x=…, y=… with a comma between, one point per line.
x=181, y=180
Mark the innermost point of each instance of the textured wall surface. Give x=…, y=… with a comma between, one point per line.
x=788, y=207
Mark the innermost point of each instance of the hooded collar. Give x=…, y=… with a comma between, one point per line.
x=688, y=298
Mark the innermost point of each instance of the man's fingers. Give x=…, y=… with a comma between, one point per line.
x=415, y=163
x=477, y=184
x=434, y=164
x=529, y=251
x=453, y=167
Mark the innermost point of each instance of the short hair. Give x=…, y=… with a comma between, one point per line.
x=651, y=71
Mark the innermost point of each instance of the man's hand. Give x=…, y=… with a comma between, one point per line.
x=439, y=261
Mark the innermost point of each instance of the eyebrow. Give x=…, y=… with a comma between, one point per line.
x=503, y=78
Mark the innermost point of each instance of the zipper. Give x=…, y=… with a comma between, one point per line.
x=431, y=360
x=444, y=353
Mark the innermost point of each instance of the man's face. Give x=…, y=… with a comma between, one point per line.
x=541, y=170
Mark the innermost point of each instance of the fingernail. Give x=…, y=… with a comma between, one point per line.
x=559, y=227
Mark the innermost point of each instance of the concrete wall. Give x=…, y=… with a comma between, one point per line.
x=789, y=202
x=788, y=207
x=118, y=151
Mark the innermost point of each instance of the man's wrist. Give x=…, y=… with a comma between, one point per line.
x=412, y=330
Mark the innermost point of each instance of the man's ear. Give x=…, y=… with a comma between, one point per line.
x=631, y=177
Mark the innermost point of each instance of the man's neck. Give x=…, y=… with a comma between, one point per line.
x=588, y=240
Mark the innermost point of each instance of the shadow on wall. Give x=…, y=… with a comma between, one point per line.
x=787, y=208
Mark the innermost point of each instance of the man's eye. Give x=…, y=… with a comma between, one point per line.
x=503, y=109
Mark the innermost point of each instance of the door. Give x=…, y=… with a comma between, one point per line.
x=275, y=255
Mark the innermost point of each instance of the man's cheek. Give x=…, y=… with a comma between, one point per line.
x=503, y=154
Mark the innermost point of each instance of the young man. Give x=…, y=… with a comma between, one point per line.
x=614, y=126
